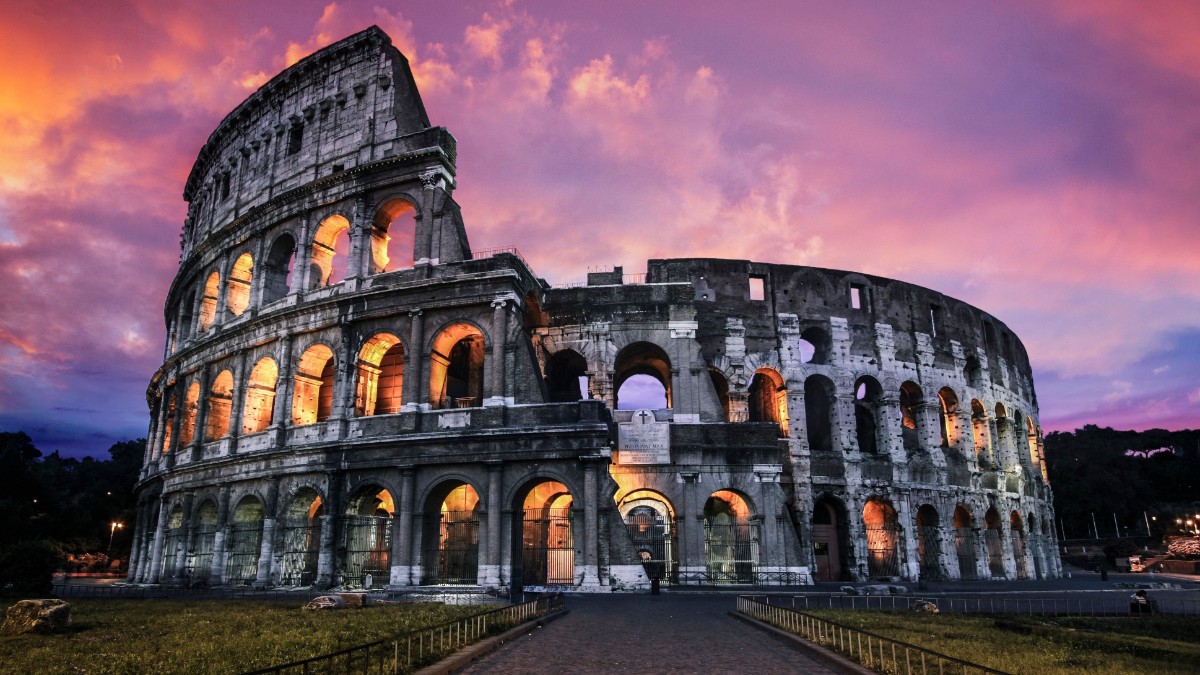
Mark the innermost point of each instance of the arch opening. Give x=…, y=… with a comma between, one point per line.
x=245, y=542
x=818, y=412
x=237, y=291
x=868, y=398
x=220, y=404
x=368, y=539
x=948, y=409
x=393, y=235
x=566, y=377
x=649, y=520
x=199, y=557
x=730, y=539
x=312, y=398
x=277, y=271
x=259, y=409
x=300, y=539
x=451, y=536
x=208, y=302
x=330, y=252
x=456, y=367
x=994, y=545
x=545, y=535
x=964, y=543
x=910, y=421
x=649, y=368
x=768, y=399
x=829, y=535
x=883, y=536
x=929, y=550
x=380, y=380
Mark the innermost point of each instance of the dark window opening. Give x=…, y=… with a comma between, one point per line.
x=295, y=139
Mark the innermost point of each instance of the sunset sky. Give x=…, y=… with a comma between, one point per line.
x=1039, y=160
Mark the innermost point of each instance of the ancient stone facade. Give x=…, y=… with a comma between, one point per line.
x=353, y=397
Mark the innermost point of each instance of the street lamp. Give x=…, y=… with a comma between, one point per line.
x=116, y=525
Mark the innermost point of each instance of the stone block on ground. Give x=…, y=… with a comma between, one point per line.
x=37, y=616
x=326, y=602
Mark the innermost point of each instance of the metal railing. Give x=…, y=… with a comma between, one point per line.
x=756, y=577
x=1099, y=604
x=406, y=652
x=871, y=650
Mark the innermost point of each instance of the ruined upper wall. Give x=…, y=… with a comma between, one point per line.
x=346, y=105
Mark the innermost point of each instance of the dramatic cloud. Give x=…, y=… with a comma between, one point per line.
x=1036, y=160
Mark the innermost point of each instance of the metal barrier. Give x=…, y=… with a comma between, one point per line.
x=1097, y=604
x=873, y=651
x=408, y=651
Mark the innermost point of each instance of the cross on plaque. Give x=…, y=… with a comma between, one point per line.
x=643, y=414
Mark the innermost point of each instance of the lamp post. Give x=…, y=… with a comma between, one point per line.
x=116, y=525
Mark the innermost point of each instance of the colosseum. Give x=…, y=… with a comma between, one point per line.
x=353, y=397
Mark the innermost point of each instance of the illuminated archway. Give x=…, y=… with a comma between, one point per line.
x=300, y=538
x=191, y=403
x=948, y=409
x=368, y=538
x=456, y=367
x=380, y=376
x=450, y=537
x=768, y=399
x=330, y=251
x=730, y=539
x=237, y=292
x=981, y=434
x=220, y=403
x=208, y=303
x=545, y=535
x=650, y=521
x=883, y=537
x=245, y=540
x=312, y=395
x=259, y=409
x=393, y=234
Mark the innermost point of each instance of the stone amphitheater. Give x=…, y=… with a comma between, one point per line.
x=353, y=397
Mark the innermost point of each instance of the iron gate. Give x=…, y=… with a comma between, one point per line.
x=548, y=550
x=995, y=549
x=651, y=538
x=245, y=540
x=731, y=548
x=170, y=549
x=882, y=558
x=368, y=551
x=200, y=556
x=929, y=552
x=964, y=545
x=457, y=551
x=300, y=546
x=1018, y=546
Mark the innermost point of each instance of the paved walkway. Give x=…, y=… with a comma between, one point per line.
x=642, y=633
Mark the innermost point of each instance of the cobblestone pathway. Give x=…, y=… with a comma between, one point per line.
x=648, y=634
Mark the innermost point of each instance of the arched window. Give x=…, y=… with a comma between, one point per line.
x=277, y=279
x=981, y=433
x=260, y=396
x=992, y=539
x=237, y=293
x=642, y=377
x=964, y=543
x=456, y=367
x=721, y=385
x=187, y=317
x=768, y=399
x=566, y=376
x=187, y=429
x=818, y=412
x=948, y=408
x=393, y=234
x=220, y=403
x=208, y=304
x=1004, y=435
x=910, y=402
x=868, y=395
x=883, y=535
x=200, y=551
x=929, y=543
x=330, y=251
x=1017, y=534
x=312, y=394
x=169, y=422
x=817, y=339
x=380, y=376
x=546, y=545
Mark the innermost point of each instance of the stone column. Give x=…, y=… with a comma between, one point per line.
x=216, y=574
x=169, y=453
x=181, y=546
x=139, y=534
x=495, y=382
x=691, y=526
x=415, y=385
x=199, y=429
x=343, y=384
x=591, y=529
x=302, y=265
x=401, y=572
x=489, y=575
x=423, y=241
x=281, y=412
x=156, y=438
x=238, y=404
x=266, y=549
x=327, y=567
x=154, y=573
x=256, y=277
x=770, y=548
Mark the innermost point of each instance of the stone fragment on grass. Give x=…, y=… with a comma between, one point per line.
x=926, y=606
x=37, y=616
x=353, y=600
x=326, y=602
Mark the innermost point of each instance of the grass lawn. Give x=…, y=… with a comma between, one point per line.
x=1026, y=644
x=206, y=636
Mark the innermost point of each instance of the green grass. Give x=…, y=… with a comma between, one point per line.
x=1025, y=644
x=197, y=637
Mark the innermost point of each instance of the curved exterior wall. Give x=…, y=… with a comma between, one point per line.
x=351, y=397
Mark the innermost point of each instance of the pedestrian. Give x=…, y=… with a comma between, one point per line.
x=1139, y=604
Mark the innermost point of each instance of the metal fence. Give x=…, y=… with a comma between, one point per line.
x=873, y=651
x=1099, y=604
x=408, y=651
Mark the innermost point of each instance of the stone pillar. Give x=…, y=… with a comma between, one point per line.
x=770, y=548
x=691, y=526
x=199, y=429
x=156, y=439
x=256, y=277
x=343, y=383
x=154, y=573
x=495, y=380
x=281, y=412
x=489, y=574
x=238, y=404
x=401, y=558
x=423, y=241
x=845, y=437
x=415, y=386
x=181, y=546
x=139, y=534
x=266, y=549
x=169, y=453
x=216, y=575
x=326, y=562
x=591, y=530
x=302, y=266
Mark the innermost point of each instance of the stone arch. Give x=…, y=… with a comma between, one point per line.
x=191, y=402
x=1016, y=533
x=830, y=535
x=819, y=398
x=237, y=288
x=200, y=553
x=730, y=538
x=312, y=395
x=367, y=537
x=768, y=399
x=395, y=221
x=868, y=406
x=330, y=251
x=566, y=376
x=259, y=410
x=649, y=519
x=543, y=534
x=456, y=368
x=820, y=343
x=929, y=542
x=882, y=529
x=1004, y=435
x=220, y=404
x=911, y=399
x=170, y=400
x=981, y=432
x=380, y=376
x=208, y=302
x=278, y=268
x=172, y=540
x=992, y=537
x=300, y=536
x=245, y=540
x=187, y=317
x=948, y=412
x=450, y=534
x=965, y=545
x=644, y=359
